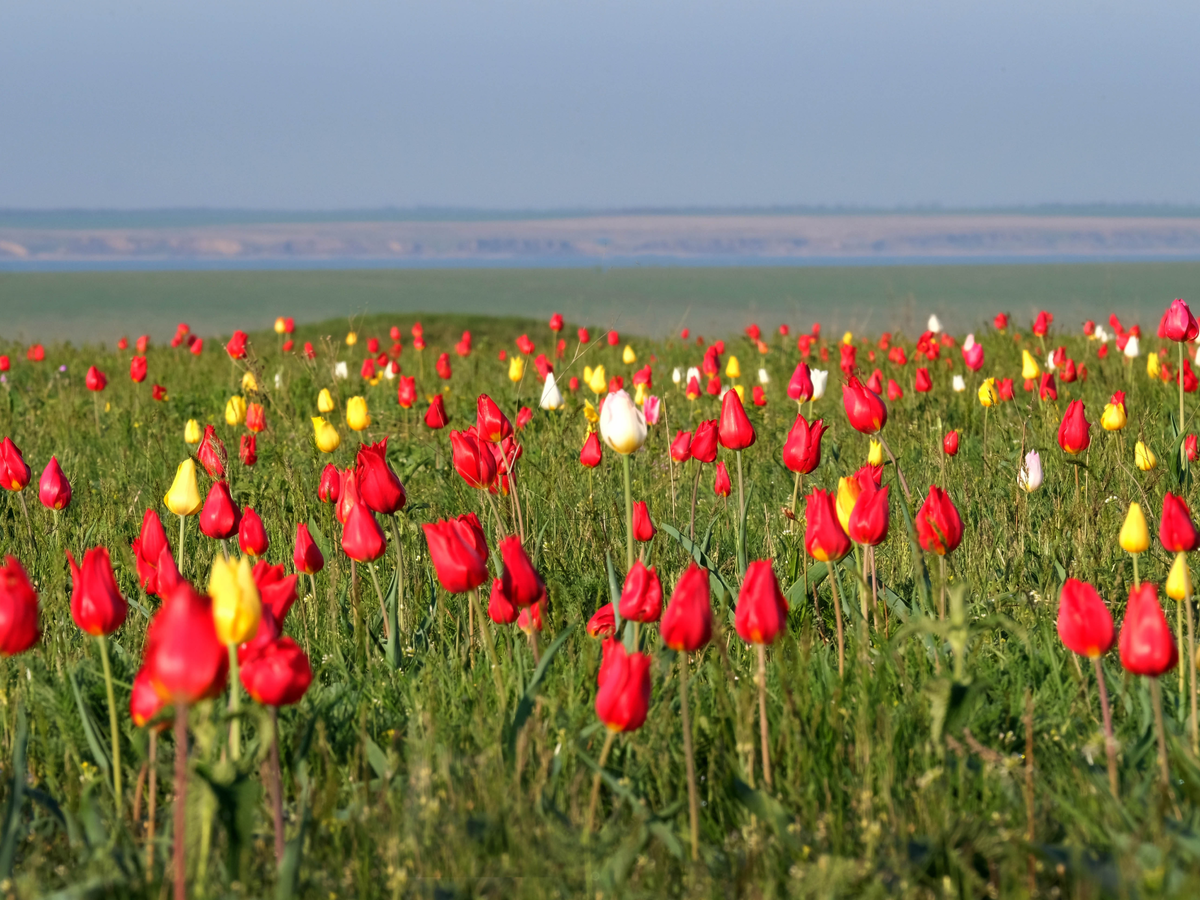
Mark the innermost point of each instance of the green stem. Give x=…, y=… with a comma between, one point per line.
x=382, y=606
x=181, y=771
x=1136, y=581
x=1110, y=745
x=182, y=558
x=837, y=609
x=399, y=570
x=1182, y=450
x=628, y=515
x=112, y=721
x=763, y=729
x=235, y=706
x=693, y=799
x=1156, y=700
x=591, y=813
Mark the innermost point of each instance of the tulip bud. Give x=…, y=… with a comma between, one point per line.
x=362, y=538
x=191, y=432
x=236, y=605
x=325, y=435
x=378, y=485
x=14, y=473
x=96, y=602
x=721, y=483
x=1179, y=580
x=278, y=675
x=988, y=396
x=824, y=539
x=1146, y=644
x=875, y=454
x=54, y=490
x=643, y=527
x=551, y=396
x=641, y=596
x=459, y=565
x=435, y=416
x=624, y=695
x=183, y=497
x=235, y=411
x=1143, y=457
x=734, y=431
x=220, y=517
x=1029, y=478
x=1084, y=624
x=357, y=416
x=307, y=555
x=252, y=536
x=622, y=424
x=1135, y=536
x=1074, y=430
x=1030, y=369
x=325, y=402
x=939, y=528
x=19, y=614
x=761, y=609
x=687, y=622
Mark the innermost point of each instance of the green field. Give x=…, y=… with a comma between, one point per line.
x=651, y=301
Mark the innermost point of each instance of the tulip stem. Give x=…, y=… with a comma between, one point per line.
x=899, y=474
x=387, y=630
x=1156, y=701
x=486, y=631
x=399, y=572
x=112, y=720
x=763, y=730
x=1183, y=460
x=1192, y=668
x=181, y=771
x=628, y=515
x=1110, y=744
x=795, y=494
x=235, y=705
x=591, y=813
x=276, y=786
x=837, y=609
x=1136, y=581
x=182, y=532
x=25, y=510
x=153, y=806
x=695, y=488
x=693, y=800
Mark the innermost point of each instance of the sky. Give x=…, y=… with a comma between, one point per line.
x=523, y=104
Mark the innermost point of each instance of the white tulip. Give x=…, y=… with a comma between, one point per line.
x=819, y=378
x=763, y=377
x=724, y=391
x=1029, y=479
x=1102, y=334
x=341, y=370
x=935, y=324
x=551, y=395
x=677, y=376
x=958, y=384
x=388, y=372
x=279, y=380
x=692, y=372
x=1050, y=367
x=969, y=342
x=622, y=424
x=1131, y=348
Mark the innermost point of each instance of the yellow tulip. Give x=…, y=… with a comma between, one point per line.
x=847, y=495
x=235, y=602
x=587, y=374
x=235, y=411
x=875, y=454
x=988, y=395
x=1144, y=457
x=1029, y=366
x=598, y=383
x=1152, y=365
x=628, y=357
x=589, y=412
x=733, y=368
x=280, y=325
x=741, y=392
x=848, y=338
x=1134, y=537
x=1113, y=418
x=325, y=401
x=516, y=368
x=191, y=432
x=357, y=416
x=1179, y=580
x=325, y=435
x=351, y=338
x=183, y=498
x=249, y=383
x=639, y=394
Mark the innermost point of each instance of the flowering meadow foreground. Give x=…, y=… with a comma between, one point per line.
x=514, y=609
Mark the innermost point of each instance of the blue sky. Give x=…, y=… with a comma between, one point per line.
x=527, y=104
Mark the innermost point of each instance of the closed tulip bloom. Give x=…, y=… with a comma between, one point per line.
x=458, y=564
x=1114, y=418
x=144, y=702
x=236, y=347
x=276, y=590
x=235, y=411
x=1134, y=536
x=1030, y=369
x=1143, y=457
x=248, y=449
x=761, y=610
x=704, y=442
x=1178, y=323
x=256, y=417
x=220, y=516
x=1029, y=478
x=923, y=384
x=1152, y=366
x=306, y=555
x=347, y=496
x=973, y=357
x=53, y=488
x=681, y=447
x=191, y=432
x=325, y=435
x=824, y=539
x=501, y=608
x=183, y=498
x=325, y=402
x=147, y=547
x=137, y=369
x=1191, y=446
x=14, y=473
x=236, y=605
x=435, y=416
x=988, y=395
x=472, y=460
x=688, y=621
x=603, y=622
x=1074, y=434
x=820, y=378
x=721, y=483
x=522, y=584
x=939, y=528
x=252, y=536
x=950, y=443
x=330, y=487
x=868, y=523
x=357, y=416
x=552, y=397
x=211, y=453
x=406, y=393
x=641, y=596
x=1084, y=623
x=864, y=409
x=597, y=382
x=19, y=619
x=590, y=455
x=491, y=425
x=378, y=484
x=1179, y=579
x=362, y=538
x=278, y=675
x=800, y=387
x=624, y=695
x=185, y=659
x=96, y=602
x=734, y=431
x=1175, y=530
x=848, y=490
x=622, y=424
x=643, y=527
x=95, y=379
x=1146, y=644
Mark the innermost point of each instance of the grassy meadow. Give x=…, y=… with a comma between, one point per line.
x=960, y=757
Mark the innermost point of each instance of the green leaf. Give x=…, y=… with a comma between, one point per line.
x=614, y=590
x=237, y=796
x=718, y=583
x=289, y=868
x=12, y=816
x=391, y=602
x=319, y=538
x=378, y=760
x=529, y=698
x=99, y=754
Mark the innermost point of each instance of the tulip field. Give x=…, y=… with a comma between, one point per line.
x=445, y=606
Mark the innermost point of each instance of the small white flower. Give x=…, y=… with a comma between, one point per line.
x=935, y=324
x=1131, y=348
x=341, y=370
x=724, y=391
x=388, y=372
x=763, y=377
x=1102, y=334
x=551, y=395
x=1050, y=367
x=677, y=376
x=279, y=380
x=969, y=342
x=819, y=377
x=958, y=384
x=692, y=372
x=1029, y=479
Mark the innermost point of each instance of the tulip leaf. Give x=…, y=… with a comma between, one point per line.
x=741, y=545
x=289, y=867
x=89, y=726
x=391, y=603
x=698, y=553
x=614, y=591
x=378, y=760
x=16, y=796
x=766, y=808
x=319, y=539
x=529, y=698
x=237, y=796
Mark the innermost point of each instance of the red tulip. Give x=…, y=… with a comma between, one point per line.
x=824, y=538
x=198, y=346
x=277, y=589
x=522, y=584
x=36, y=353
x=248, y=449
x=894, y=391
x=524, y=417
x=1191, y=447
x=347, y=496
x=406, y=394
x=1004, y=387
x=307, y=555
x=868, y=524
x=472, y=459
x=362, y=538
x=279, y=675
x=5, y=363
x=624, y=695
x=459, y=566
x=186, y=660
x=1146, y=645
x=1042, y=324
x=1047, y=390
x=704, y=442
x=14, y=473
x=252, y=536
x=950, y=443
x=256, y=418
x=1175, y=530
x=603, y=623
x=802, y=449
x=95, y=379
x=144, y=702
x=220, y=516
x=1178, y=323
x=501, y=609
x=761, y=610
x=19, y=626
x=1073, y=432
x=687, y=623
x=924, y=384
x=491, y=424
x=875, y=382
x=137, y=369
x=442, y=367
x=758, y=395
x=864, y=409
x=96, y=602
x=331, y=484
x=53, y=488
x=849, y=362
x=236, y=347
x=643, y=527
x=1001, y=321
x=614, y=338
x=211, y=453
x=435, y=416
x=591, y=453
x=556, y=323
x=800, y=388
x=681, y=447
x=1084, y=623
x=583, y=336
x=148, y=546
x=721, y=485
x=377, y=484
x=973, y=357
x=641, y=596
x=939, y=528
x=142, y=343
